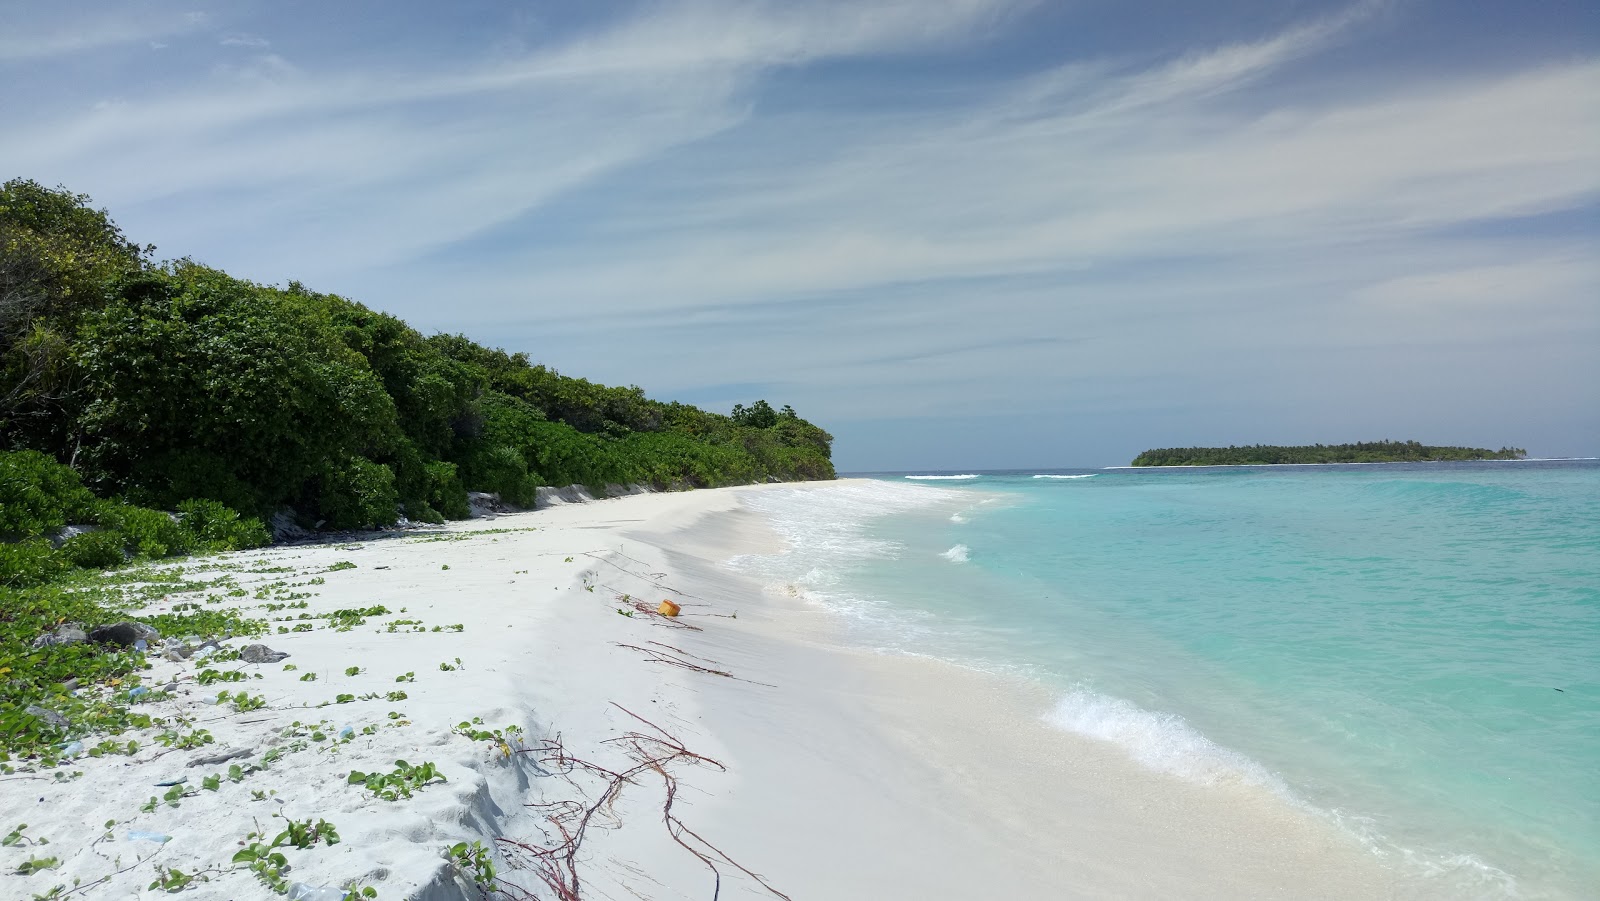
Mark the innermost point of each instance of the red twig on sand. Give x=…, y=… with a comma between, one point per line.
x=556, y=863
x=671, y=658
x=648, y=578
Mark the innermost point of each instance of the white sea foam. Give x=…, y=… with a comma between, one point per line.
x=1089, y=475
x=957, y=517
x=957, y=554
x=966, y=477
x=824, y=530
x=1164, y=742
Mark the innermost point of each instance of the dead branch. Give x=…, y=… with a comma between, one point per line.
x=650, y=579
x=670, y=659
x=555, y=862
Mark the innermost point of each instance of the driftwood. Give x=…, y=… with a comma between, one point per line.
x=655, y=751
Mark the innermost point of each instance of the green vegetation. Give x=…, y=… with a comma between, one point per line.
x=38, y=496
x=164, y=383
x=1364, y=452
x=474, y=862
x=397, y=783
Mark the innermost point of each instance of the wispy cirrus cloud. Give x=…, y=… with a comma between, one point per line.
x=237, y=39
x=444, y=153
x=801, y=196
x=22, y=40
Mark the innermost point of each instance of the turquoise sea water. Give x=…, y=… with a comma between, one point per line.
x=1412, y=650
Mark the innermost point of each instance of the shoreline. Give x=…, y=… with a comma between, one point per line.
x=979, y=776
x=844, y=774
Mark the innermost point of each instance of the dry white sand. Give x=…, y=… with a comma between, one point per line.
x=847, y=775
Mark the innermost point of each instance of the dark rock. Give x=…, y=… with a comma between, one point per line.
x=260, y=653
x=49, y=716
x=123, y=634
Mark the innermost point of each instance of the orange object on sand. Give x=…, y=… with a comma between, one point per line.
x=668, y=608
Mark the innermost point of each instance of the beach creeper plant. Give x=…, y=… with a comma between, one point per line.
x=268, y=863
x=474, y=862
x=399, y=782
x=502, y=740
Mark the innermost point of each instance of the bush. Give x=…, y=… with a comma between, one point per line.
x=95, y=550
x=445, y=493
x=148, y=533
x=30, y=562
x=39, y=495
x=503, y=471
x=359, y=495
x=217, y=528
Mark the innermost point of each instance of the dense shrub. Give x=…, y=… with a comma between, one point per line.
x=147, y=533
x=30, y=562
x=217, y=528
x=503, y=471
x=39, y=495
x=95, y=550
x=445, y=492
x=358, y=495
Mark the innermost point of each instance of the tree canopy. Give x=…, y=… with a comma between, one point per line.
x=165, y=382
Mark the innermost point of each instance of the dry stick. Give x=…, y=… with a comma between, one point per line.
x=656, y=615
x=643, y=578
x=106, y=878
x=682, y=652
x=654, y=656
x=557, y=865
x=675, y=826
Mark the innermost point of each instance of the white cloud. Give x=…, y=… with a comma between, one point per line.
x=1085, y=233
x=244, y=40
x=23, y=41
x=389, y=166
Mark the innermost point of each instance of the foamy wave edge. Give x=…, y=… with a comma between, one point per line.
x=1166, y=743
x=963, y=478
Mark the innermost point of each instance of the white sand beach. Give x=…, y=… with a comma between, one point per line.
x=843, y=774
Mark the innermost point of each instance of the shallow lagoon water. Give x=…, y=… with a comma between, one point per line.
x=1410, y=649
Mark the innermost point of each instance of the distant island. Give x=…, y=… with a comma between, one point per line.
x=1363, y=452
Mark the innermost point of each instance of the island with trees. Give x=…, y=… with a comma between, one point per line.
x=131, y=387
x=1362, y=452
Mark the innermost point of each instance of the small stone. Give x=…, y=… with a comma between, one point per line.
x=260, y=653
x=49, y=716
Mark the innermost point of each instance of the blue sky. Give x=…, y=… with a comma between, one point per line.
x=957, y=233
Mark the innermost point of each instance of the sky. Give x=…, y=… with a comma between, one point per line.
x=958, y=234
